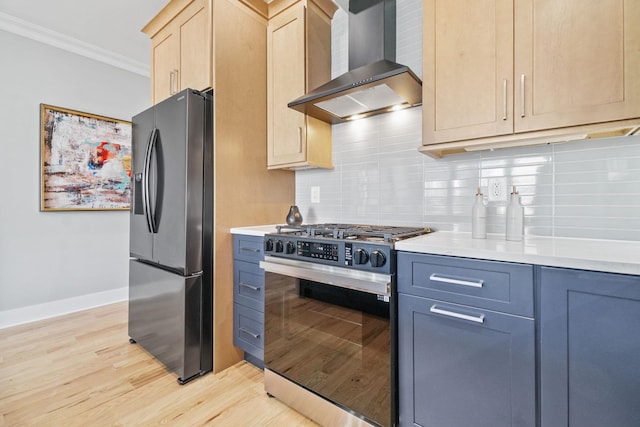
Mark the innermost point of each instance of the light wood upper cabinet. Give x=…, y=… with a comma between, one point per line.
x=165, y=64
x=580, y=61
x=181, y=51
x=468, y=51
x=298, y=59
x=503, y=73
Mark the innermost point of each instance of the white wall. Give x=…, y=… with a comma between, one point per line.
x=586, y=189
x=51, y=262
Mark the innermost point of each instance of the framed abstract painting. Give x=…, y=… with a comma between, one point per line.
x=85, y=161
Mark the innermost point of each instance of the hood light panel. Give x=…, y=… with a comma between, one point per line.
x=370, y=99
x=357, y=116
x=399, y=107
x=391, y=109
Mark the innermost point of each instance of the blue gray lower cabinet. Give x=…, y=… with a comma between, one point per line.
x=462, y=365
x=589, y=349
x=248, y=297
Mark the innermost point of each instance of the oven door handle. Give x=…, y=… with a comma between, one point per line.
x=365, y=281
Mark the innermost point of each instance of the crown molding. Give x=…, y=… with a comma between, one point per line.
x=43, y=35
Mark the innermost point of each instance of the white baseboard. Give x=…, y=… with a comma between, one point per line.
x=47, y=310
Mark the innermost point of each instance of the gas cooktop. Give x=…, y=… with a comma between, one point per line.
x=352, y=246
x=360, y=232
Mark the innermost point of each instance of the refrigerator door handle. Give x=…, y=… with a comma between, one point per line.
x=151, y=222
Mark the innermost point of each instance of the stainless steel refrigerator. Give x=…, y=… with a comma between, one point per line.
x=171, y=233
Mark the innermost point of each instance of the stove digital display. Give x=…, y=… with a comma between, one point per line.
x=316, y=250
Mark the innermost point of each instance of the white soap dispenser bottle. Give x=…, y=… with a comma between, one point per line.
x=479, y=217
x=515, y=217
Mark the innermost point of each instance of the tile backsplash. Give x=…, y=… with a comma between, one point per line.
x=584, y=189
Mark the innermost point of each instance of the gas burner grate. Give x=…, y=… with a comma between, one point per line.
x=353, y=231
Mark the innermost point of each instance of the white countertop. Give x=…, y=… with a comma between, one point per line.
x=255, y=230
x=615, y=256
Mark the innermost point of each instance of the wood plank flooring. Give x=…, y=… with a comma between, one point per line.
x=80, y=370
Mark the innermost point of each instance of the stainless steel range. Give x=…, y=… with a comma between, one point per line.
x=330, y=330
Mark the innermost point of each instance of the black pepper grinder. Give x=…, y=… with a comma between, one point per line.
x=294, y=217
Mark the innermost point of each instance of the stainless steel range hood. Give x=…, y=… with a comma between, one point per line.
x=375, y=83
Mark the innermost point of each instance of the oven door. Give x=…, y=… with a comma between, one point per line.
x=329, y=330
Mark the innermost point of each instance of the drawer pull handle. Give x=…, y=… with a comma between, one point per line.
x=478, y=319
x=253, y=288
x=250, y=250
x=475, y=284
x=522, y=111
x=248, y=332
x=504, y=99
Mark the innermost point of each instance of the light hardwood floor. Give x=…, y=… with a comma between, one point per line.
x=80, y=370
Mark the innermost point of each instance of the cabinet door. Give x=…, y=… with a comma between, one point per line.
x=589, y=349
x=286, y=81
x=165, y=54
x=195, y=47
x=468, y=68
x=576, y=62
x=456, y=372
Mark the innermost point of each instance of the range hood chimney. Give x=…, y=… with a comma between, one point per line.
x=375, y=83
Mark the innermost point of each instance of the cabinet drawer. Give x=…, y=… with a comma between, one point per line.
x=492, y=285
x=248, y=285
x=248, y=248
x=248, y=331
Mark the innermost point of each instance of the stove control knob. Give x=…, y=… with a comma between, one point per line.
x=279, y=246
x=290, y=248
x=268, y=245
x=378, y=259
x=360, y=256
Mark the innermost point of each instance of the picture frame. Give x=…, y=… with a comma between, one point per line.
x=85, y=161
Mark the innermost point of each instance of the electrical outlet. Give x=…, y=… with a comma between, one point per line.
x=315, y=194
x=497, y=189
